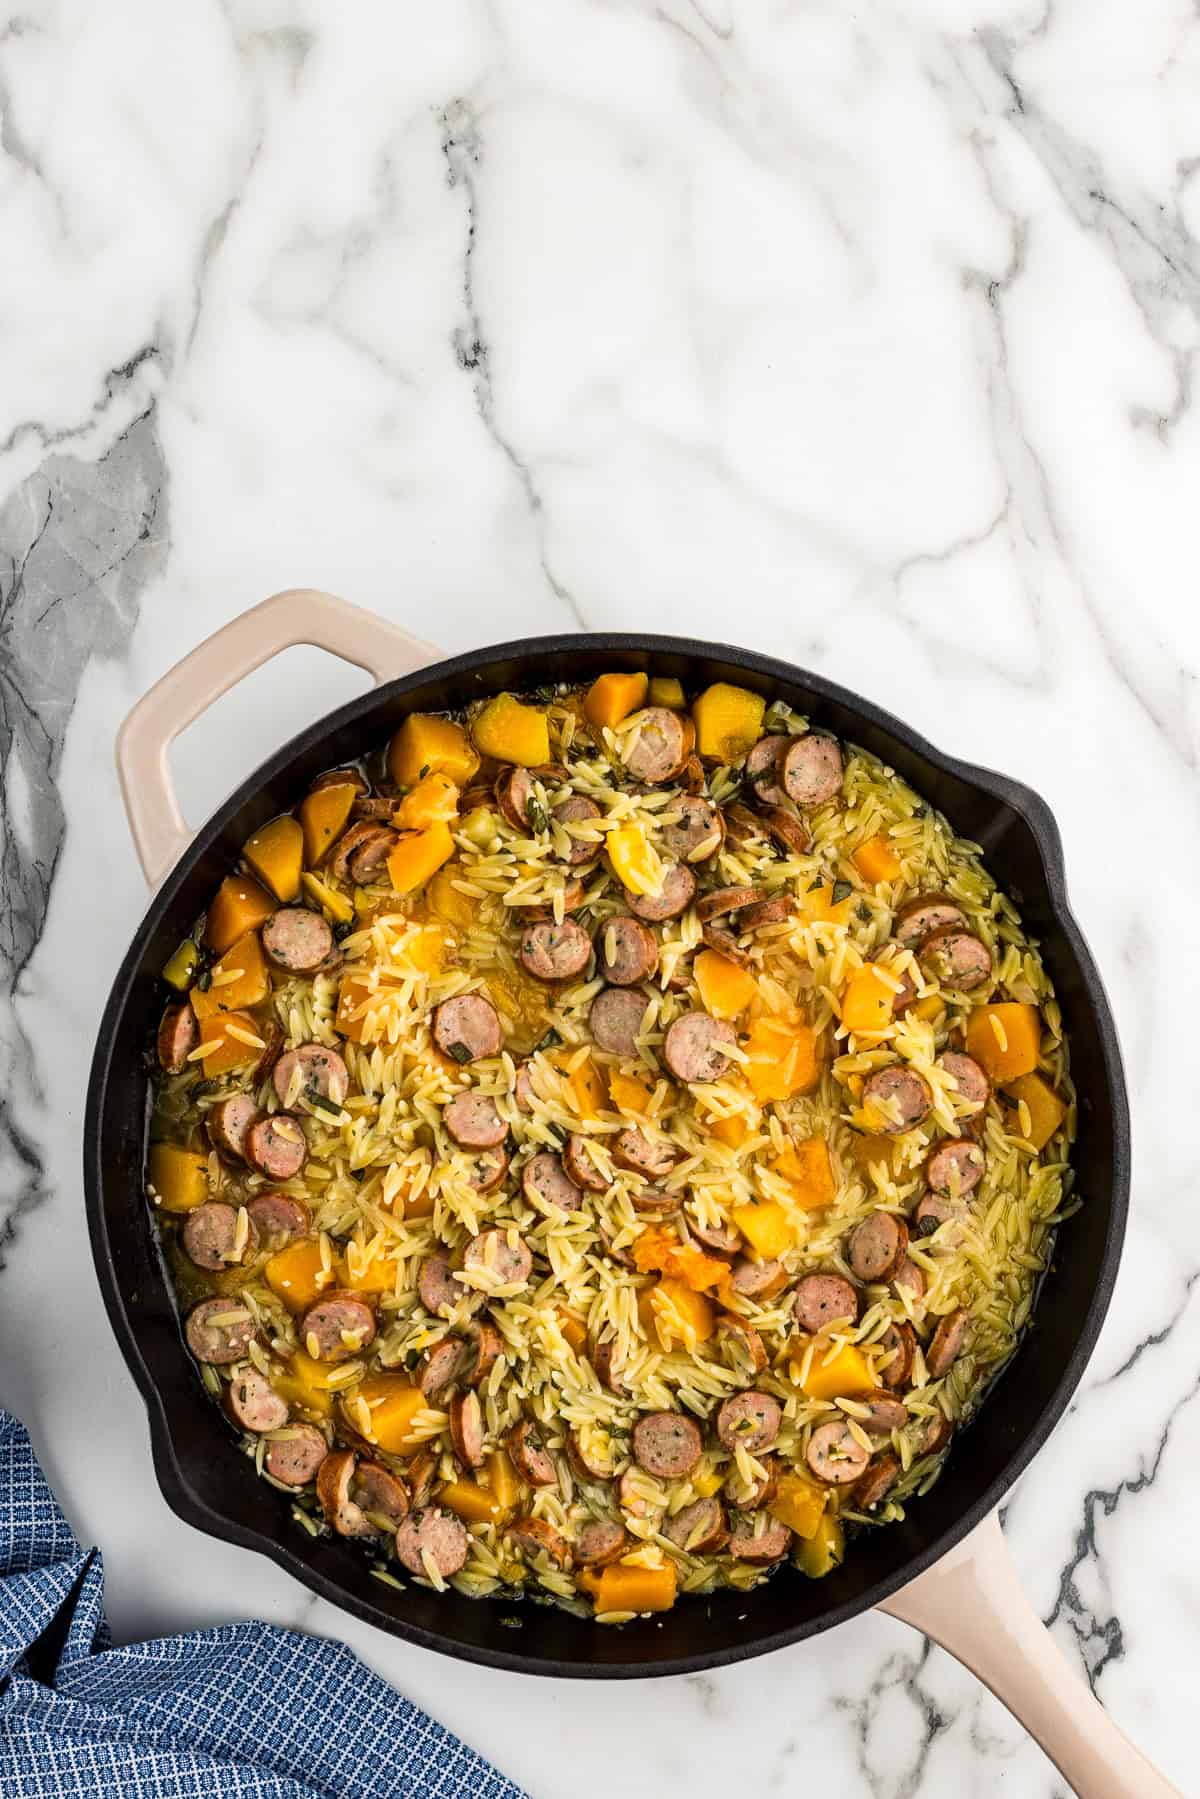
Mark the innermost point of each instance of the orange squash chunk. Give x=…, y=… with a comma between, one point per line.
x=323, y=815
x=611, y=698
x=298, y=1276
x=393, y=1402
x=807, y=1169
x=250, y=989
x=621, y=1588
x=231, y=1051
x=1046, y=1109
x=239, y=905
x=276, y=854
x=867, y=1000
x=876, y=860
x=725, y=989
x=783, y=1059
x=424, y=745
x=433, y=801
x=1005, y=1039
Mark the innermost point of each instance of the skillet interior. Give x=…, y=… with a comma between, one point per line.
x=207, y=1483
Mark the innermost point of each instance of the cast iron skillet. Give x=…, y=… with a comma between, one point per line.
x=212, y=1487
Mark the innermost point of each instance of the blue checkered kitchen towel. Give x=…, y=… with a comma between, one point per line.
x=244, y=1711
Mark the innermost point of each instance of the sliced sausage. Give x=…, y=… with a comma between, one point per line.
x=811, y=769
x=885, y=1413
x=694, y=1047
x=341, y=777
x=883, y=1471
x=678, y=892
x=899, y=1343
x=378, y=809
x=272, y=1050
x=438, y=1368
x=632, y=1500
x=533, y=1537
x=578, y=809
x=220, y=1330
x=336, y=1316
x=898, y=1097
x=643, y=1154
x=317, y=1074
x=252, y=1402
x=601, y=1541
x=752, y=1279
x=937, y=1433
x=580, y=1166
x=276, y=1146
x=228, y=1124
x=971, y=1084
x=725, y=944
x=278, y=1219
x=423, y=1476
x=436, y=1286
x=615, y=1019
x=436, y=1534
x=627, y=951
x=920, y=917
x=654, y=1202
x=957, y=958
x=467, y=1028
x=514, y=790
x=933, y=1211
x=523, y=1093
x=481, y=1351
x=342, y=1512
x=723, y=900
x=699, y=1529
x=742, y=1344
x=473, y=1121
x=667, y=1444
x=603, y=1356
x=295, y=1459
x=491, y=1251
x=834, y=1455
x=786, y=831
x=555, y=952
x=379, y=1493
x=722, y=1239
x=466, y=1428
x=548, y=1186
x=361, y=850
x=661, y=746
x=488, y=1170
x=297, y=939
x=821, y=1299
x=210, y=1236
x=954, y=1168
x=909, y=1277
x=947, y=1344
x=529, y=1455
x=749, y=1421
x=573, y=895
x=877, y=1246
x=761, y=1544
x=697, y=833
x=178, y=1035
x=760, y=1491
x=766, y=912
x=762, y=770
x=903, y=998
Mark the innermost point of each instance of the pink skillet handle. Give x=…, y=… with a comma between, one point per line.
x=299, y=615
x=973, y=1605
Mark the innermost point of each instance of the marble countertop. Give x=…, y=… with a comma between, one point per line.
x=861, y=335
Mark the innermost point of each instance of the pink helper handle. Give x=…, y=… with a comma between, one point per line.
x=299, y=615
x=972, y=1603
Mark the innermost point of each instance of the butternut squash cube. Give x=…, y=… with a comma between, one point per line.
x=798, y=1504
x=572, y=1326
x=276, y=854
x=766, y=1227
x=1046, y=1109
x=627, y=1092
x=323, y=815
x=826, y=902
x=433, y=801
x=418, y=855
x=783, y=1059
x=672, y=1314
x=239, y=905
x=501, y=1477
x=847, y=1374
x=635, y=863
x=1005, y=1039
x=328, y=898
x=237, y=1039
x=587, y=1090
x=426, y=744
x=876, y=860
x=251, y=987
x=303, y=1383
x=178, y=1176
x=806, y=1167
x=666, y=691
x=298, y=1276
x=621, y=1588
x=393, y=1403
x=867, y=1000
x=444, y=898
x=821, y=1553
x=471, y=1502
x=611, y=698
x=725, y=988
x=512, y=732
x=728, y=721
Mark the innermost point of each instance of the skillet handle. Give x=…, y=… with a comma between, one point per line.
x=973, y=1605
x=298, y=615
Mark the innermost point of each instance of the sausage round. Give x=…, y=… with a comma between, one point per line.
x=473, y=1121
x=653, y=1202
x=898, y=1096
x=178, y=1035
x=533, y=1536
x=766, y=912
x=667, y=1444
x=438, y=1368
x=661, y=747
x=252, y=1402
x=362, y=849
x=957, y=958
x=789, y=833
x=488, y=1170
x=749, y=1420
x=586, y=1464
x=678, y=892
x=276, y=1146
x=226, y=1341
x=529, y=1456
x=821, y=1299
x=580, y=1166
x=927, y=913
x=578, y=809
x=883, y=1471
x=436, y=1286
x=316, y=1072
x=643, y=1154
x=911, y=1277
x=210, y=1236
x=699, y=1529
x=723, y=900
x=693, y=1048
x=376, y=1490
x=900, y=1343
x=555, y=952
x=603, y=1356
x=615, y=1019
x=723, y=1239
x=696, y=834
x=467, y=1028
x=278, y=1219
x=834, y=1455
x=937, y=1433
x=491, y=1250
x=743, y=1344
x=573, y=896
x=336, y=1316
x=229, y=1122
x=342, y=1512
x=811, y=769
x=725, y=944
x=297, y=939
x=627, y=951
x=514, y=790
x=877, y=1246
x=751, y=1279
x=437, y=1534
x=759, y=1544
x=481, y=1351
x=296, y=1459
x=947, y=1344
x=466, y=1429
x=885, y=1413
x=762, y=770
x=601, y=1541
x=548, y=1186
x=523, y=1093
x=954, y=1168
x=971, y=1084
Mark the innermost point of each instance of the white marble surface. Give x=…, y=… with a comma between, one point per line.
x=864, y=335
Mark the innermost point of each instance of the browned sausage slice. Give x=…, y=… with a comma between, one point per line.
x=877, y=1246
x=956, y=958
x=627, y=951
x=297, y=939
x=580, y=1166
x=473, y=1121
x=573, y=895
x=758, y=1539
x=899, y=1342
x=488, y=1170
x=482, y=1350
x=927, y=913
x=228, y=1124
x=762, y=770
x=678, y=892
x=313, y=1073
x=654, y=1202
x=436, y=1286
x=767, y=912
x=751, y=1279
x=822, y=1299
x=578, y=809
x=338, y=1326
x=438, y=1368
x=883, y=1471
x=723, y=900
x=742, y=1344
x=514, y=790
x=534, y=1537
x=723, y=1239
x=697, y=833
x=377, y=809
x=423, y=1475
x=178, y=1035
x=436, y=1534
x=467, y=1028
x=601, y=1541
x=379, y=1493
x=341, y=777
x=811, y=769
x=523, y=1092
x=587, y=1464
x=362, y=849
x=295, y=1459
x=897, y=1097
x=252, y=1402
x=210, y=1236
x=834, y=1455
x=749, y=1420
x=277, y=1218
x=910, y=1277
x=615, y=1019
x=342, y=1512
x=529, y=1456
x=937, y=1433
x=667, y=1444
x=466, y=1428
x=643, y=1154
x=694, y=1047
x=954, y=1168
x=699, y=1529
x=971, y=1084
x=220, y=1330
x=603, y=1356
x=947, y=1344
x=276, y=1146
x=885, y=1413
x=555, y=952
x=788, y=832
x=725, y=944
x=548, y=1186
x=907, y=992
x=491, y=1251
x=660, y=748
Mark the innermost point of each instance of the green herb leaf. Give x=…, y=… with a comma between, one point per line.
x=460, y=1052
x=204, y=981
x=325, y=1104
x=863, y=912
x=550, y=1041
x=535, y=812
x=841, y=890
x=815, y=886
x=424, y=771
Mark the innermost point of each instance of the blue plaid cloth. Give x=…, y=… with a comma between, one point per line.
x=244, y=1711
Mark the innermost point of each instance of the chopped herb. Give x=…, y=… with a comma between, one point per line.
x=863, y=912
x=841, y=890
x=343, y=930
x=324, y=1104
x=1006, y=1099
x=815, y=886
x=460, y=1052
x=358, y=1174
x=535, y=812
x=424, y=771
x=511, y=1623
x=920, y=811
x=550, y=1041
x=204, y=981
x=411, y=1358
